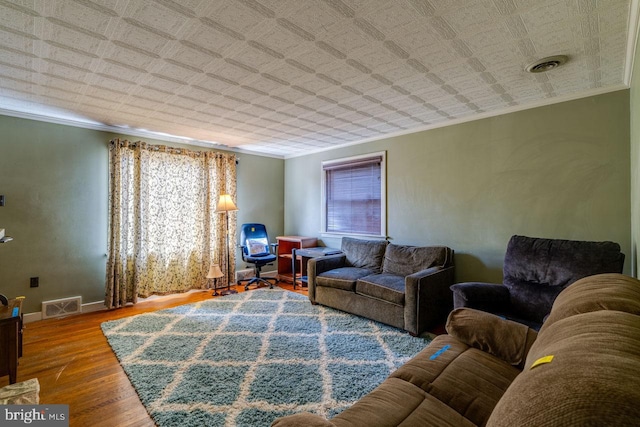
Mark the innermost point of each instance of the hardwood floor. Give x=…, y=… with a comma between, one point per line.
x=75, y=365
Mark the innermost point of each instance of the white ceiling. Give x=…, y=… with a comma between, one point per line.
x=290, y=77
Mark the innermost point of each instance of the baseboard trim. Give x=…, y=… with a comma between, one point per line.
x=86, y=308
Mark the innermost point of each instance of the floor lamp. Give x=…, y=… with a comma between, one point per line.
x=226, y=205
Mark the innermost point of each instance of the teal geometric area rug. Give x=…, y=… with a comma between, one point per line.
x=248, y=358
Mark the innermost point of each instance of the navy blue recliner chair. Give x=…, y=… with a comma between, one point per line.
x=536, y=270
x=256, y=250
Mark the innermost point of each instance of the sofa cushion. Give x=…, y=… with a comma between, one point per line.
x=466, y=379
x=342, y=278
x=364, y=253
x=473, y=384
x=591, y=379
x=601, y=292
x=387, y=287
x=545, y=261
x=532, y=300
x=399, y=403
x=425, y=367
x=404, y=260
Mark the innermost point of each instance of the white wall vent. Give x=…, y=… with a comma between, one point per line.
x=61, y=307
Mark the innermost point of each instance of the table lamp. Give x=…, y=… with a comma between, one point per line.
x=215, y=273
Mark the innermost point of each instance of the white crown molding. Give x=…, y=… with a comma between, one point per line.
x=474, y=117
x=632, y=40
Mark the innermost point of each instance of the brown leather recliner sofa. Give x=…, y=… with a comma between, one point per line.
x=582, y=368
x=399, y=285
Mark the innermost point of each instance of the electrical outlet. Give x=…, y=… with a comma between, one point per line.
x=34, y=282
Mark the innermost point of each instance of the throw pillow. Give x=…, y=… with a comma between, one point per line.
x=257, y=246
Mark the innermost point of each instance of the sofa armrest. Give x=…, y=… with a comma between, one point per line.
x=427, y=298
x=302, y=419
x=505, y=339
x=319, y=265
x=491, y=297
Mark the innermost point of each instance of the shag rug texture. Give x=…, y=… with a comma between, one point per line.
x=248, y=358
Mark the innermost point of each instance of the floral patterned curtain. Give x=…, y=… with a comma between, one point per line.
x=164, y=232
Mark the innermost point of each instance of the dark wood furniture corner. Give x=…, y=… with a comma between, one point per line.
x=10, y=338
x=286, y=245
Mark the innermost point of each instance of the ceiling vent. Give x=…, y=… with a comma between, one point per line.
x=546, y=64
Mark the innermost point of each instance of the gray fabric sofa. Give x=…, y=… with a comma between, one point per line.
x=399, y=285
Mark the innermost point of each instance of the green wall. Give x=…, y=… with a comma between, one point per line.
x=559, y=171
x=55, y=180
x=635, y=159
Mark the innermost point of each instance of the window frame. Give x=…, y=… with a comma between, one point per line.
x=383, y=194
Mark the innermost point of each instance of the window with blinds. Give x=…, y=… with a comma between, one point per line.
x=354, y=195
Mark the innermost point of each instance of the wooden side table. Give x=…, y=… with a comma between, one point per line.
x=10, y=338
x=303, y=256
x=286, y=245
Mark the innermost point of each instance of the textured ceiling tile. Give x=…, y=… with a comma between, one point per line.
x=314, y=17
x=315, y=59
x=253, y=55
x=177, y=71
x=157, y=18
x=16, y=60
x=390, y=17
x=113, y=83
x=339, y=72
x=363, y=85
x=237, y=16
x=545, y=17
x=284, y=76
x=189, y=56
x=163, y=83
x=131, y=36
x=16, y=42
x=274, y=37
x=70, y=37
x=348, y=40
x=18, y=20
x=377, y=59
x=78, y=16
x=208, y=39
x=471, y=18
x=288, y=72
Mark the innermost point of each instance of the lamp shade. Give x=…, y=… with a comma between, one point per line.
x=214, y=272
x=225, y=204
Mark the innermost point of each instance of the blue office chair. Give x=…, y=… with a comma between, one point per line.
x=257, y=250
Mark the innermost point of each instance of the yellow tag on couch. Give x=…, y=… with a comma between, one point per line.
x=542, y=360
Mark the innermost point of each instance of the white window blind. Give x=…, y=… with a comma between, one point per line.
x=354, y=195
